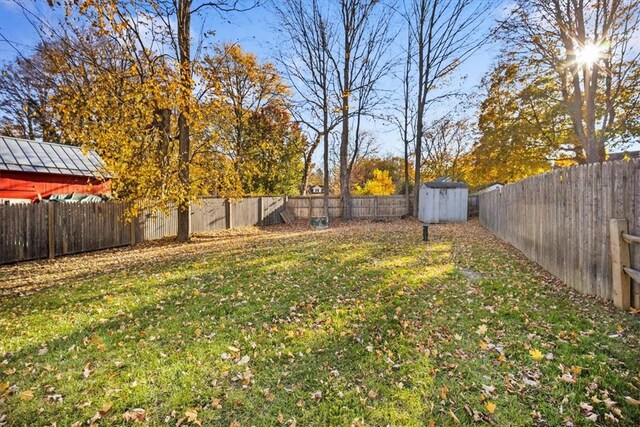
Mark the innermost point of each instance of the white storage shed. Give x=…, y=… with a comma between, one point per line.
x=443, y=202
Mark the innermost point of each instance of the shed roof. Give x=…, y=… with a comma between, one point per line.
x=22, y=155
x=444, y=184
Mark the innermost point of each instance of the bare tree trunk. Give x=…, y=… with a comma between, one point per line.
x=417, y=179
x=306, y=170
x=446, y=34
x=184, y=46
x=607, y=26
x=345, y=190
x=406, y=139
x=420, y=111
x=325, y=173
x=406, y=180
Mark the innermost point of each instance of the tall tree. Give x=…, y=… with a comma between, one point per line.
x=525, y=128
x=445, y=34
x=25, y=89
x=360, y=63
x=310, y=38
x=363, y=170
x=171, y=23
x=446, y=141
x=404, y=119
x=591, y=47
x=380, y=184
x=250, y=120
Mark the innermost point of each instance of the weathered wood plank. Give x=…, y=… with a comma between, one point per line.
x=621, y=289
x=561, y=220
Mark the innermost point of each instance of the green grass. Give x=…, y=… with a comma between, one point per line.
x=358, y=325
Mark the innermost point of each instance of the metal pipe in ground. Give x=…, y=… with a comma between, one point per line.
x=425, y=232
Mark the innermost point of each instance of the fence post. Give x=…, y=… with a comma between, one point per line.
x=375, y=208
x=227, y=213
x=621, y=290
x=260, y=211
x=51, y=230
x=132, y=231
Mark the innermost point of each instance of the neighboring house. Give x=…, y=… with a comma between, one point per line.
x=32, y=170
x=316, y=189
x=624, y=155
x=490, y=187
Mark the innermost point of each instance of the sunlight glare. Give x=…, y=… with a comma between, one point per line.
x=588, y=54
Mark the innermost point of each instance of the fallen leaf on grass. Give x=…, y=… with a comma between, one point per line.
x=88, y=370
x=190, y=417
x=567, y=378
x=106, y=406
x=26, y=395
x=609, y=418
x=592, y=417
x=586, y=407
x=137, y=415
x=631, y=400
x=536, y=354
x=482, y=329
x=488, y=390
x=244, y=360
x=491, y=407
x=443, y=392
x=53, y=398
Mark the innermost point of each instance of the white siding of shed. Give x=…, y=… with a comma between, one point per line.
x=442, y=205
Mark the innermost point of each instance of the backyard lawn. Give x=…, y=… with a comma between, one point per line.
x=363, y=324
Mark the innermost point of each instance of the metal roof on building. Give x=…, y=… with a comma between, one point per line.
x=444, y=184
x=22, y=155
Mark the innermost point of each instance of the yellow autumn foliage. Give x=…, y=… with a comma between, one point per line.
x=380, y=185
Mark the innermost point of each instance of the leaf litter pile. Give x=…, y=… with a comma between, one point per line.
x=363, y=324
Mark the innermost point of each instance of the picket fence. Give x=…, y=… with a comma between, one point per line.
x=561, y=221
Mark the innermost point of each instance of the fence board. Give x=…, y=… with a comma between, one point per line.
x=208, y=215
x=561, y=220
x=245, y=212
x=21, y=229
x=157, y=224
x=272, y=207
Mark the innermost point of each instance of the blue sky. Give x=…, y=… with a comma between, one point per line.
x=256, y=31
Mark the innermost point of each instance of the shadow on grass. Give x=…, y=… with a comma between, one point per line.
x=357, y=319
x=175, y=366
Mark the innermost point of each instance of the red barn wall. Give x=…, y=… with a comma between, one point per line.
x=27, y=185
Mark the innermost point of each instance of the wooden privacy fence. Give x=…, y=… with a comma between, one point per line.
x=366, y=207
x=33, y=231
x=561, y=220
